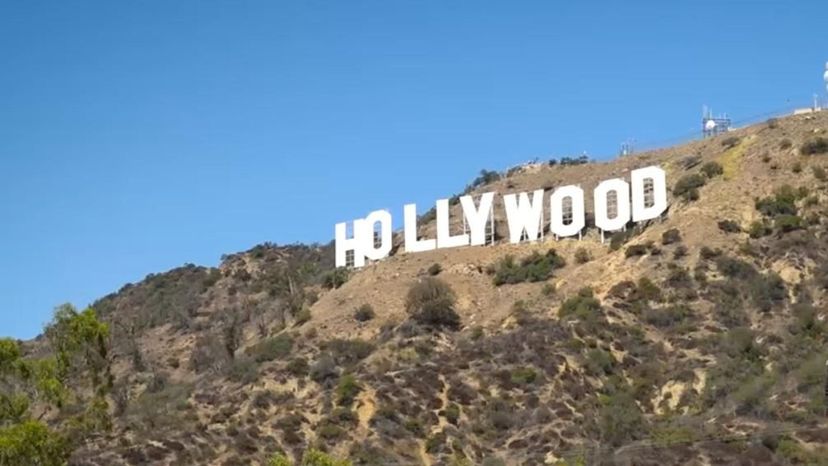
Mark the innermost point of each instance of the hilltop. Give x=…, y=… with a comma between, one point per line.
x=698, y=338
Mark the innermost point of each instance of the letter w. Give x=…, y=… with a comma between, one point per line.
x=524, y=215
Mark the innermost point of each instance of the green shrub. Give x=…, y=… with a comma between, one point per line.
x=783, y=202
x=648, y=290
x=264, y=399
x=521, y=312
x=819, y=173
x=279, y=459
x=501, y=414
x=313, y=457
x=668, y=317
x=678, y=278
x=811, y=373
x=624, y=290
x=751, y=396
x=335, y=278
x=435, y=442
x=430, y=302
x=208, y=354
x=712, y=169
x=523, y=376
x=347, y=390
x=323, y=369
x=347, y=352
x=344, y=416
x=740, y=360
x=580, y=160
x=729, y=226
x=707, y=253
x=785, y=144
x=243, y=370
x=582, y=256
x=815, y=146
x=298, y=367
x=735, y=268
x=796, y=167
x=672, y=433
x=785, y=223
x=364, y=313
x=414, y=426
x=806, y=321
x=535, y=267
x=619, y=238
x=486, y=177
x=635, y=250
x=599, y=362
x=452, y=413
x=330, y=431
x=303, y=316
x=621, y=419
x=435, y=269
x=766, y=291
x=794, y=453
x=759, y=229
x=584, y=305
x=272, y=348
x=731, y=142
x=673, y=235
x=687, y=186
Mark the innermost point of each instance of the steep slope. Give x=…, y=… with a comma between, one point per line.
x=695, y=339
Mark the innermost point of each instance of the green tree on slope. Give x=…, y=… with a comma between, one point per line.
x=68, y=388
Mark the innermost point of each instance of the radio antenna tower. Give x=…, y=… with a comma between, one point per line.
x=825, y=76
x=627, y=147
x=713, y=126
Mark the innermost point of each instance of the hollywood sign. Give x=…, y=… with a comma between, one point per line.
x=616, y=202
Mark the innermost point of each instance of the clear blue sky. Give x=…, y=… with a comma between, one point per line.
x=138, y=136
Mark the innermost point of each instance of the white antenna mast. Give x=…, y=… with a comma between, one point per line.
x=825, y=76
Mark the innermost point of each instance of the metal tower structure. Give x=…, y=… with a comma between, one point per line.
x=714, y=125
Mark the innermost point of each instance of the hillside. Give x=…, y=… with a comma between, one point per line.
x=695, y=339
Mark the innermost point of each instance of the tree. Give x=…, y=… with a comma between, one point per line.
x=312, y=457
x=279, y=459
x=72, y=381
x=431, y=302
x=620, y=418
x=232, y=334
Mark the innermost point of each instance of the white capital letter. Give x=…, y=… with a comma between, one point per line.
x=640, y=211
x=370, y=249
x=622, y=204
x=476, y=217
x=576, y=196
x=344, y=244
x=412, y=243
x=523, y=214
x=444, y=238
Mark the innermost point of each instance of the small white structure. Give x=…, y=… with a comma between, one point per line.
x=710, y=125
x=825, y=76
x=714, y=125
